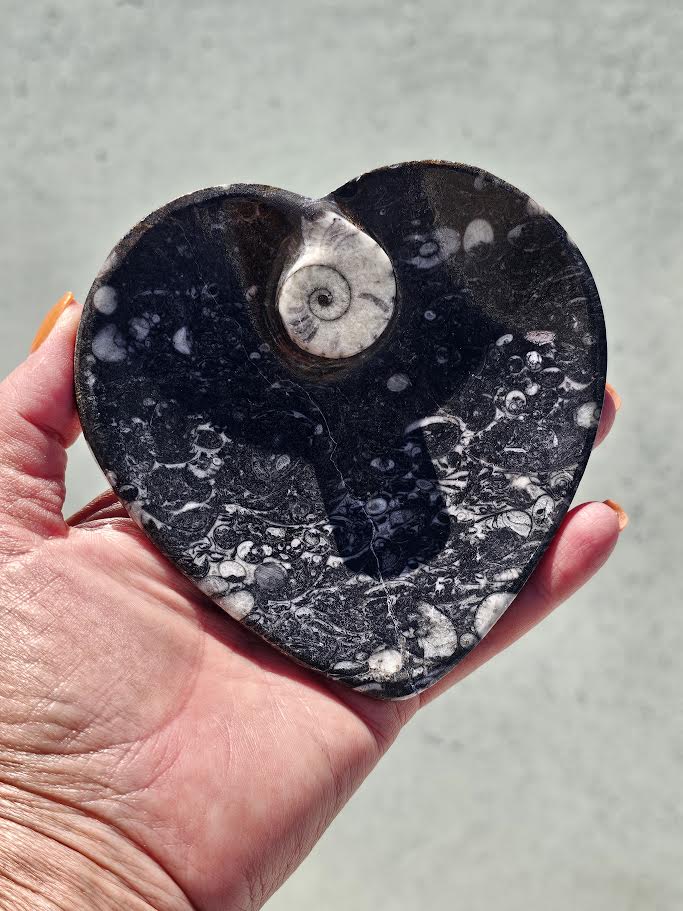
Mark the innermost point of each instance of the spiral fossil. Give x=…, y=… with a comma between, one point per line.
x=337, y=297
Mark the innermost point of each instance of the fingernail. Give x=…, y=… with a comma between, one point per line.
x=621, y=513
x=616, y=398
x=50, y=320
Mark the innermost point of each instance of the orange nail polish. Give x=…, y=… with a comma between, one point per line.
x=621, y=513
x=50, y=320
x=616, y=398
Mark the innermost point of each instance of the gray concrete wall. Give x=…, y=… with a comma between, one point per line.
x=551, y=778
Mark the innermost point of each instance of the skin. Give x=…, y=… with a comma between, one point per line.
x=153, y=754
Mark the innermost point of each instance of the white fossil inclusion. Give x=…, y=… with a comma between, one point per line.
x=338, y=296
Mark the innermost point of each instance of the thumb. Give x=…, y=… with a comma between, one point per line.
x=38, y=420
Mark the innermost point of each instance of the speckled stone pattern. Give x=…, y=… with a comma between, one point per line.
x=372, y=516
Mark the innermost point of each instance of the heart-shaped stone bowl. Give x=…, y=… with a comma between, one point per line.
x=356, y=422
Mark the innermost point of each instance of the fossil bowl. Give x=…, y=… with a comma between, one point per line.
x=356, y=422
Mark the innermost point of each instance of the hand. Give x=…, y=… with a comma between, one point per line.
x=153, y=753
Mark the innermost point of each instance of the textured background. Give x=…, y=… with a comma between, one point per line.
x=551, y=778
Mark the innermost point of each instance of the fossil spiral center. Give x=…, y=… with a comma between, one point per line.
x=331, y=298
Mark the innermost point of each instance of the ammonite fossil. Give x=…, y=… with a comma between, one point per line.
x=354, y=422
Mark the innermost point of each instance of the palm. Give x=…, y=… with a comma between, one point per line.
x=151, y=711
x=177, y=718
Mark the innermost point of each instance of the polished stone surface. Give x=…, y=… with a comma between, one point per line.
x=366, y=480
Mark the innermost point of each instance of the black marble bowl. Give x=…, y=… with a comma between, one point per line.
x=362, y=462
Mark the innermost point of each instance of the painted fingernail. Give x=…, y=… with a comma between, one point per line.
x=621, y=513
x=50, y=320
x=616, y=398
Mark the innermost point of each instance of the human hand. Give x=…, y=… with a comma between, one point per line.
x=153, y=752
